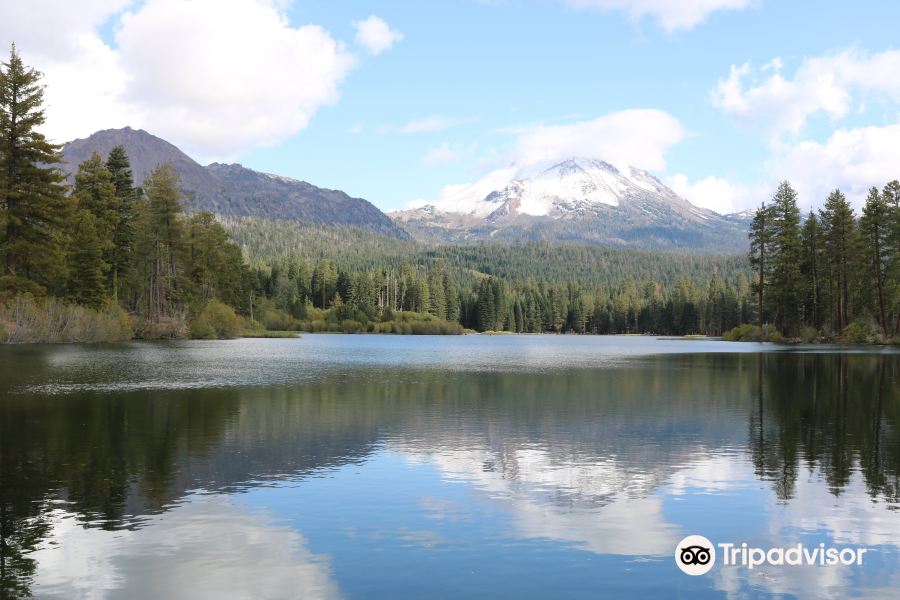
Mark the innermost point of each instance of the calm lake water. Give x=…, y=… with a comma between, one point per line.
x=351, y=466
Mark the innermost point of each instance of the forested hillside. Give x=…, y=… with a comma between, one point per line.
x=530, y=287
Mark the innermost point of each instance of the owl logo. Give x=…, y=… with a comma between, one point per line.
x=695, y=555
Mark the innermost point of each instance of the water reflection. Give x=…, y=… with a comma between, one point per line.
x=205, y=547
x=281, y=486
x=836, y=414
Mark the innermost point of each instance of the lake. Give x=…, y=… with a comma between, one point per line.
x=345, y=466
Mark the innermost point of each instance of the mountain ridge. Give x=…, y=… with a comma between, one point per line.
x=234, y=190
x=577, y=200
x=574, y=199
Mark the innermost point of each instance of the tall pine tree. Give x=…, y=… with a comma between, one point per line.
x=786, y=259
x=840, y=237
x=760, y=247
x=119, y=168
x=34, y=209
x=160, y=245
x=891, y=196
x=875, y=229
x=86, y=277
x=95, y=193
x=810, y=269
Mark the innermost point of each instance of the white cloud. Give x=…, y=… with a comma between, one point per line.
x=434, y=123
x=832, y=84
x=605, y=503
x=81, y=72
x=210, y=547
x=671, y=14
x=215, y=95
x=638, y=137
x=375, y=35
x=53, y=29
x=215, y=77
x=718, y=194
x=447, y=153
x=851, y=159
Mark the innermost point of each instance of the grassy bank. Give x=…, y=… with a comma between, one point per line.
x=263, y=334
x=858, y=332
x=25, y=320
x=28, y=320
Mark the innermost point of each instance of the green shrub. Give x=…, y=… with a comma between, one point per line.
x=773, y=335
x=744, y=333
x=860, y=332
x=351, y=326
x=215, y=321
x=278, y=320
x=753, y=333
x=809, y=334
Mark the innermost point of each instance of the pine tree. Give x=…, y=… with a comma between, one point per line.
x=786, y=253
x=214, y=267
x=810, y=269
x=324, y=283
x=159, y=244
x=86, y=280
x=119, y=168
x=486, y=309
x=891, y=196
x=95, y=192
x=34, y=209
x=715, y=305
x=840, y=240
x=760, y=246
x=875, y=228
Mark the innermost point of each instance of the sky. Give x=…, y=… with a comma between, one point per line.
x=394, y=100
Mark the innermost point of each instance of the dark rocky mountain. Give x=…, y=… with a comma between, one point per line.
x=233, y=190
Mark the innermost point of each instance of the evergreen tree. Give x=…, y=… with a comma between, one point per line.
x=715, y=306
x=95, y=192
x=761, y=233
x=119, y=168
x=324, y=283
x=159, y=245
x=786, y=255
x=840, y=240
x=875, y=229
x=34, y=209
x=810, y=269
x=891, y=196
x=437, y=304
x=215, y=263
x=86, y=281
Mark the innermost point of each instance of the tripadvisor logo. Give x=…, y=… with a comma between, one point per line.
x=696, y=555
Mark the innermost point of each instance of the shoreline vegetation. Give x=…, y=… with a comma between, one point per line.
x=102, y=259
x=28, y=320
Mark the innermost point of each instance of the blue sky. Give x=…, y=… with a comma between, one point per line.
x=479, y=80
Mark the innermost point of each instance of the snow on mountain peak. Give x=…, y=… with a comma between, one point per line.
x=549, y=188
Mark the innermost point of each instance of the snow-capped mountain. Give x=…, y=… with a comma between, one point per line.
x=576, y=199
